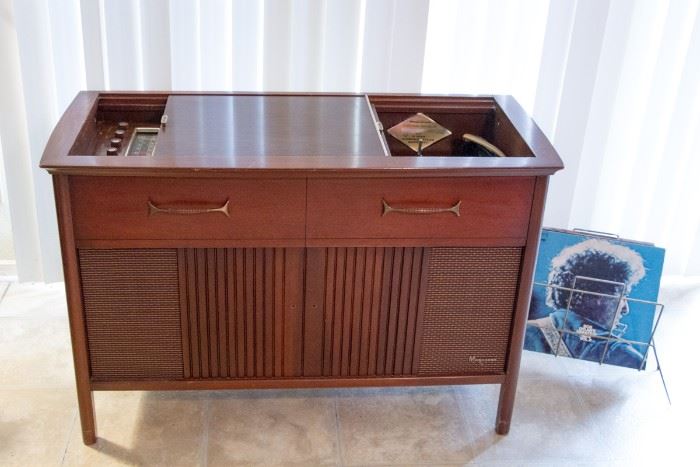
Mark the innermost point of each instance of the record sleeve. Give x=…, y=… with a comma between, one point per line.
x=583, y=301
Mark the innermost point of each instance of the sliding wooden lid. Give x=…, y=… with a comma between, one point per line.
x=228, y=127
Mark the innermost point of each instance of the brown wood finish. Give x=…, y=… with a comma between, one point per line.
x=191, y=243
x=287, y=383
x=229, y=127
x=236, y=322
x=306, y=284
x=483, y=117
x=114, y=208
x=490, y=207
x=351, y=164
x=76, y=317
x=203, y=313
x=506, y=400
x=365, y=309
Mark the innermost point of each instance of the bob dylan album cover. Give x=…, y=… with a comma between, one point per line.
x=595, y=324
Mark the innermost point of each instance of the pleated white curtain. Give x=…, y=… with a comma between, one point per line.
x=612, y=82
x=619, y=94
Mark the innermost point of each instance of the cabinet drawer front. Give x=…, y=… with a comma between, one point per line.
x=466, y=208
x=119, y=208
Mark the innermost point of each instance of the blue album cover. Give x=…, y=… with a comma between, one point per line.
x=607, y=268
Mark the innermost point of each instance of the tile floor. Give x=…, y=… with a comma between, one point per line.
x=567, y=412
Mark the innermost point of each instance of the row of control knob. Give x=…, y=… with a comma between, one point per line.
x=115, y=143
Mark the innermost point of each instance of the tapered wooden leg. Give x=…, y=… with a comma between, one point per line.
x=86, y=407
x=76, y=317
x=522, y=306
x=505, y=407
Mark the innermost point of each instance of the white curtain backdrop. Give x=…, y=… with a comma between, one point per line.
x=613, y=83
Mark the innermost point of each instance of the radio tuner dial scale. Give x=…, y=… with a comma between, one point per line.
x=143, y=142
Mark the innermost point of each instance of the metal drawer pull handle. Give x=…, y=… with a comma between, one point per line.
x=153, y=209
x=387, y=209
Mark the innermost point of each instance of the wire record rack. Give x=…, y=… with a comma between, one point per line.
x=609, y=336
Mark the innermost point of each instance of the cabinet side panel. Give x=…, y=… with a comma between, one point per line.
x=469, y=302
x=132, y=312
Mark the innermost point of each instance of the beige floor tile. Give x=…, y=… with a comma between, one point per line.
x=629, y=463
x=35, y=353
x=631, y=412
x=537, y=365
x=272, y=428
x=550, y=424
x=401, y=426
x=35, y=426
x=675, y=339
x=33, y=299
x=560, y=463
x=632, y=392
x=403, y=464
x=478, y=405
x=584, y=370
x=567, y=412
x=144, y=428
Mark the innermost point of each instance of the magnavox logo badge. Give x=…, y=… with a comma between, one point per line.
x=482, y=360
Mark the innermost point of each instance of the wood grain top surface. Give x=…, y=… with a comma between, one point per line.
x=220, y=128
x=307, y=135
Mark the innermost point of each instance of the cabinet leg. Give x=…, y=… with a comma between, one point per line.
x=505, y=407
x=76, y=317
x=86, y=408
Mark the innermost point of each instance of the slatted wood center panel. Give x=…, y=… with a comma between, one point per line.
x=362, y=314
x=241, y=311
x=243, y=315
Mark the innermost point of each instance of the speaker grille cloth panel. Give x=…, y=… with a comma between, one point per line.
x=469, y=302
x=132, y=312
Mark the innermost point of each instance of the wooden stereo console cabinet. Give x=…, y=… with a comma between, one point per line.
x=222, y=241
